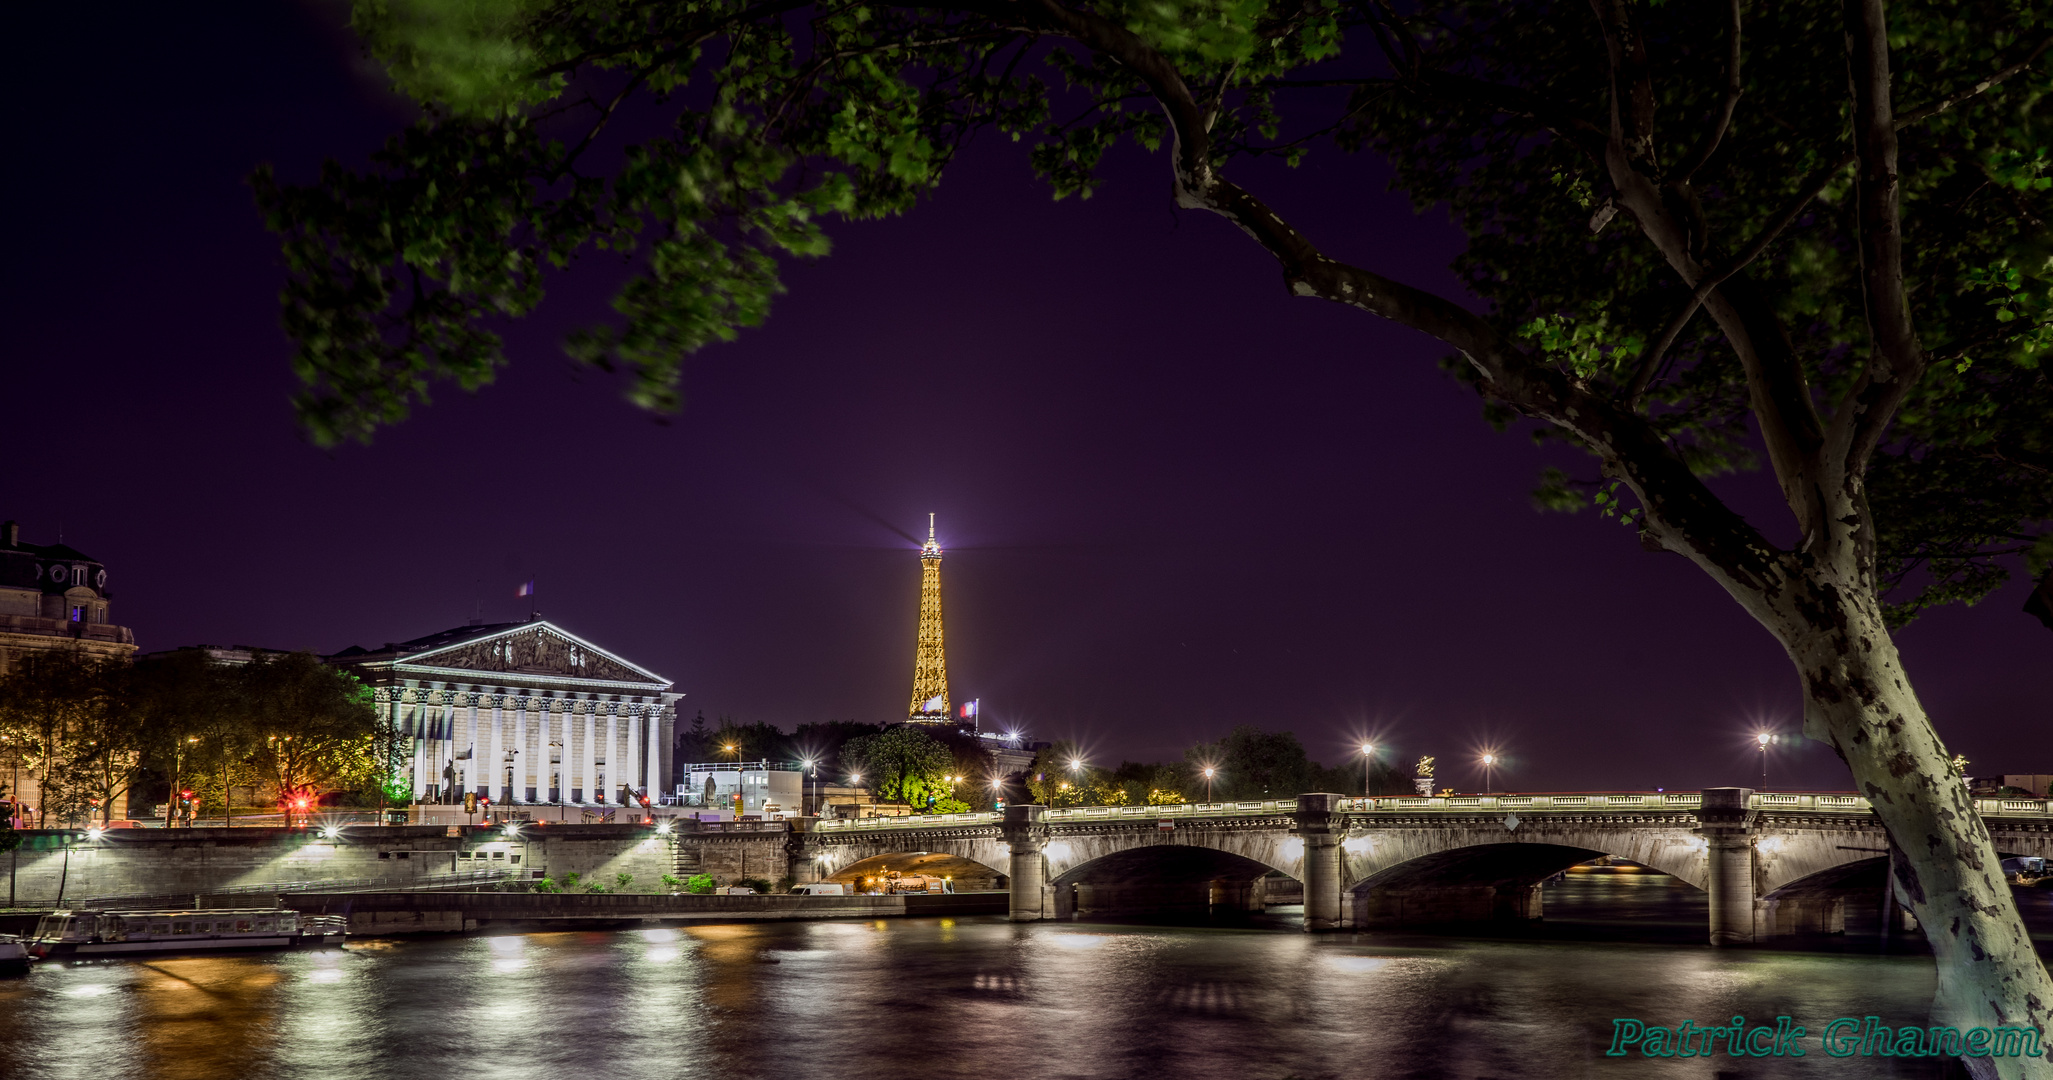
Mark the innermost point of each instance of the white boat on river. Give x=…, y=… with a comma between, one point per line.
x=121, y=933
x=14, y=955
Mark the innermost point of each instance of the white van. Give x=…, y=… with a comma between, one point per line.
x=820, y=889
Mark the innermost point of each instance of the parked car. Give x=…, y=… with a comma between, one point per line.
x=821, y=888
x=736, y=890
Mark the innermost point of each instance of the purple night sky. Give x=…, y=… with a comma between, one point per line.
x=1173, y=498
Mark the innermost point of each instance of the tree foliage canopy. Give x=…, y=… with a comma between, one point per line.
x=752, y=123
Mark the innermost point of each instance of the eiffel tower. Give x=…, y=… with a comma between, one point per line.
x=930, y=660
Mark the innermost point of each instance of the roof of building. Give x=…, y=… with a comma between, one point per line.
x=533, y=647
x=441, y=639
x=26, y=566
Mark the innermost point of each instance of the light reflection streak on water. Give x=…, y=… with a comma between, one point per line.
x=845, y=1001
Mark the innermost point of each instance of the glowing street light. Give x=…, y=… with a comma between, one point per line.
x=1368, y=766
x=1489, y=767
x=1209, y=773
x=1762, y=738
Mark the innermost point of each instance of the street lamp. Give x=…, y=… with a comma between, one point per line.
x=1209, y=773
x=1368, y=766
x=1489, y=766
x=1763, y=738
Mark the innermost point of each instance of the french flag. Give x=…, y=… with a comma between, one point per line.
x=526, y=589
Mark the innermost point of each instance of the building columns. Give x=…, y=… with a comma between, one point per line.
x=1027, y=836
x=612, y=762
x=1725, y=821
x=1319, y=826
x=523, y=757
x=410, y=713
x=652, y=764
x=471, y=773
x=590, y=779
x=495, y=775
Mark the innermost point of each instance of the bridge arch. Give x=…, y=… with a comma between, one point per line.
x=1158, y=879
x=835, y=858
x=1494, y=869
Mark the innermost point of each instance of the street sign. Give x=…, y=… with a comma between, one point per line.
x=1166, y=825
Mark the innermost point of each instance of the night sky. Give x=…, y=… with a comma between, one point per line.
x=1173, y=499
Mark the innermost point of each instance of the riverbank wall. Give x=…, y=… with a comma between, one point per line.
x=379, y=914
x=67, y=866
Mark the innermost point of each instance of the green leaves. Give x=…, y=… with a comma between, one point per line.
x=471, y=57
x=782, y=115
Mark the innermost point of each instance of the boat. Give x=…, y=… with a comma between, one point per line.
x=122, y=933
x=14, y=955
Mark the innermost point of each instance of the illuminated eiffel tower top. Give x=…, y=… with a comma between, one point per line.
x=930, y=659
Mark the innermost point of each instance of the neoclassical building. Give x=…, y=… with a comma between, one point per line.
x=53, y=596
x=523, y=712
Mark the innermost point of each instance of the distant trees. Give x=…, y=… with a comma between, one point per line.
x=89, y=733
x=69, y=726
x=900, y=764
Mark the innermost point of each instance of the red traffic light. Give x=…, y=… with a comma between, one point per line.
x=186, y=794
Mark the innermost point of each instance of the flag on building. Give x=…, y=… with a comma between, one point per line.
x=527, y=588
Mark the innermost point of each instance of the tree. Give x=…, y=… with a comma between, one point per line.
x=821, y=742
x=66, y=731
x=1256, y=764
x=1817, y=239
x=903, y=763
x=696, y=742
x=312, y=727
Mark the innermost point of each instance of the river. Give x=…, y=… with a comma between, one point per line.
x=971, y=998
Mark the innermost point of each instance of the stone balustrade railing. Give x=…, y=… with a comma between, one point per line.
x=1996, y=806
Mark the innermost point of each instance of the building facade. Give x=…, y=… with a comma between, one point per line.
x=522, y=713
x=733, y=790
x=52, y=597
x=55, y=597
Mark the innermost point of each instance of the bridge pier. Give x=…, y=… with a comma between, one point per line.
x=1027, y=836
x=802, y=852
x=1725, y=821
x=1320, y=826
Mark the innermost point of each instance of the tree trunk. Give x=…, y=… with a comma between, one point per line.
x=1859, y=701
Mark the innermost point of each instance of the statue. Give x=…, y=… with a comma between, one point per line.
x=1423, y=782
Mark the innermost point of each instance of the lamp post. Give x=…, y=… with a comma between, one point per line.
x=1368, y=766
x=1763, y=739
x=1489, y=767
x=1209, y=773
x=177, y=767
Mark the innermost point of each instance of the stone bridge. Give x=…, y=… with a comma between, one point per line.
x=1772, y=863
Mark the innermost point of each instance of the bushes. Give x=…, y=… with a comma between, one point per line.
x=699, y=883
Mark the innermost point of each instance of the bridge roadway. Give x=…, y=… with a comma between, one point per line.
x=1774, y=863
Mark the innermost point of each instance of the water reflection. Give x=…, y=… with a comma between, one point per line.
x=972, y=998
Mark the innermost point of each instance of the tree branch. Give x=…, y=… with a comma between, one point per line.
x=1632, y=82
x=1650, y=358
x=1897, y=358
x=1952, y=101
x=1722, y=122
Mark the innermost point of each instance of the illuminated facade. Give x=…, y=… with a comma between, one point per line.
x=52, y=597
x=522, y=713
x=930, y=659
